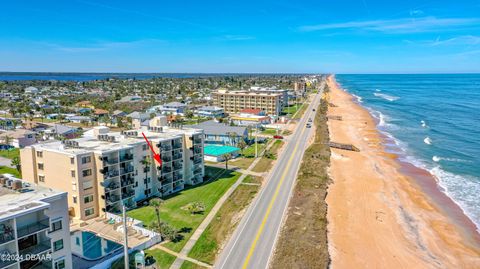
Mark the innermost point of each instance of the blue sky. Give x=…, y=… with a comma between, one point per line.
x=361, y=36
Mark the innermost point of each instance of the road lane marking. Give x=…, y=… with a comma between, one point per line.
x=270, y=205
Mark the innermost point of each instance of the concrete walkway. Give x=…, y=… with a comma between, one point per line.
x=6, y=162
x=198, y=232
x=180, y=256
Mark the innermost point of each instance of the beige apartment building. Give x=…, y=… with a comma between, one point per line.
x=104, y=170
x=234, y=101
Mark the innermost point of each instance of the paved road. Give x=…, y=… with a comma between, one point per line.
x=253, y=241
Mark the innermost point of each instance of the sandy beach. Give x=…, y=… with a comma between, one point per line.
x=379, y=215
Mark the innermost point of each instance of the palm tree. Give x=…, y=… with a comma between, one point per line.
x=156, y=203
x=16, y=162
x=227, y=157
x=147, y=162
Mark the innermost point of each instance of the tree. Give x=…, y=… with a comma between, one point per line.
x=242, y=145
x=188, y=114
x=7, y=140
x=156, y=203
x=16, y=162
x=226, y=158
x=147, y=163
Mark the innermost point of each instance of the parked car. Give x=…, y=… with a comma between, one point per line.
x=278, y=137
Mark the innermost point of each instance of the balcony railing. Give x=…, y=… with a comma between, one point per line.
x=110, y=161
x=127, y=182
x=41, y=247
x=197, y=171
x=7, y=262
x=177, y=156
x=33, y=228
x=177, y=145
x=128, y=194
x=197, y=160
x=197, y=140
x=110, y=174
x=166, y=159
x=111, y=186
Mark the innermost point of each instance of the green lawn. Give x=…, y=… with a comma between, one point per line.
x=163, y=260
x=172, y=212
x=301, y=111
x=249, y=152
x=265, y=163
x=190, y=265
x=10, y=154
x=269, y=131
x=8, y=170
x=207, y=247
x=291, y=109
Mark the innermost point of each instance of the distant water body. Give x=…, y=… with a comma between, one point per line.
x=79, y=77
x=435, y=123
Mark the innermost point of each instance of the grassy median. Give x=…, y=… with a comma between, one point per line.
x=303, y=239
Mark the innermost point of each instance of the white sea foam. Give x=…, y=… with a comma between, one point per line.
x=378, y=90
x=427, y=140
x=436, y=159
x=386, y=96
x=359, y=99
x=424, y=125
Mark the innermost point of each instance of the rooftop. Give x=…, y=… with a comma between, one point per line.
x=31, y=196
x=212, y=127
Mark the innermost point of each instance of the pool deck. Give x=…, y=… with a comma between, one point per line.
x=100, y=227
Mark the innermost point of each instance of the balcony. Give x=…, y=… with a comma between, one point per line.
x=6, y=233
x=7, y=262
x=166, y=159
x=177, y=176
x=109, y=161
x=197, y=171
x=39, y=248
x=197, y=140
x=197, y=160
x=126, y=157
x=177, y=156
x=128, y=194
x=110, y=174
x=127, y=182
x=111, y=186
x=177, y=145
x=126, y=170
x=112, y=199
x=33, y=228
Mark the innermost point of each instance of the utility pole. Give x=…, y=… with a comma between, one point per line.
x=125, y=235
x=256, y=144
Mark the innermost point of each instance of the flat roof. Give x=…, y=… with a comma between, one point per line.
x=89, y=142
x=218, y=150
x=30, y=198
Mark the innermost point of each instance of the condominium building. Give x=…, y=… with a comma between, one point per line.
x=104, y=170
x=34, y=226
x=234, y=101
x=283, y=93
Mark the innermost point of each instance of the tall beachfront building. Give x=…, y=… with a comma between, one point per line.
x=104, y=170
x=34, y=226
x=234, y=101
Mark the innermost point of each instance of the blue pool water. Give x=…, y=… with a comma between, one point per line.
x=90, y=246
x=435, y=122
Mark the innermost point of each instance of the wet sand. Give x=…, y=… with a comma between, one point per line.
x=383, y=213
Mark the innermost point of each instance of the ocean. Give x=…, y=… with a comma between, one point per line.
x=434, y=120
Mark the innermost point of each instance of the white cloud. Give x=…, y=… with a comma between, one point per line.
x=404, y=25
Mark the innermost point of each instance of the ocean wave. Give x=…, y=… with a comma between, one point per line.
x=378, y=90
x=463, y=190
x=427, y=140
x=438, y=159
x=359, y=99
x=386, y=96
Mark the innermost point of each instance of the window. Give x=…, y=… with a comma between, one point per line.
x=58, y=245
x=56, y=225
x=87, y=172
x=60, y=264
x=41, y=178
x=88, y=199
x=40, y=166
x=74, y=199
x=89, y=211
x=72, y=173
x=86, y=159
x=40, y=154
x=87, y=185
x=72, y=160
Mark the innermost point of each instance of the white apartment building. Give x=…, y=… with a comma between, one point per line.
x=34, y=226
x=103, y=170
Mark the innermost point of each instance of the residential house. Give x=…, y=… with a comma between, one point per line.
x=220, y=133
x=175, y=108
x=210, y=112
x=18, y=138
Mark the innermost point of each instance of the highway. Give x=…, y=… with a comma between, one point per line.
x=253, y=242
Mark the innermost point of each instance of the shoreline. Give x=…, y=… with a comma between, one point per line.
x=382, y=207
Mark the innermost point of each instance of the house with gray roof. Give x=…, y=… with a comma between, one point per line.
x=220, y=133
x=175, y=108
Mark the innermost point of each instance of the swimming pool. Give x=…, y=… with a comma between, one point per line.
x=89, y=246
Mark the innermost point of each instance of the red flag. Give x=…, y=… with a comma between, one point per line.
x=156, y=156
